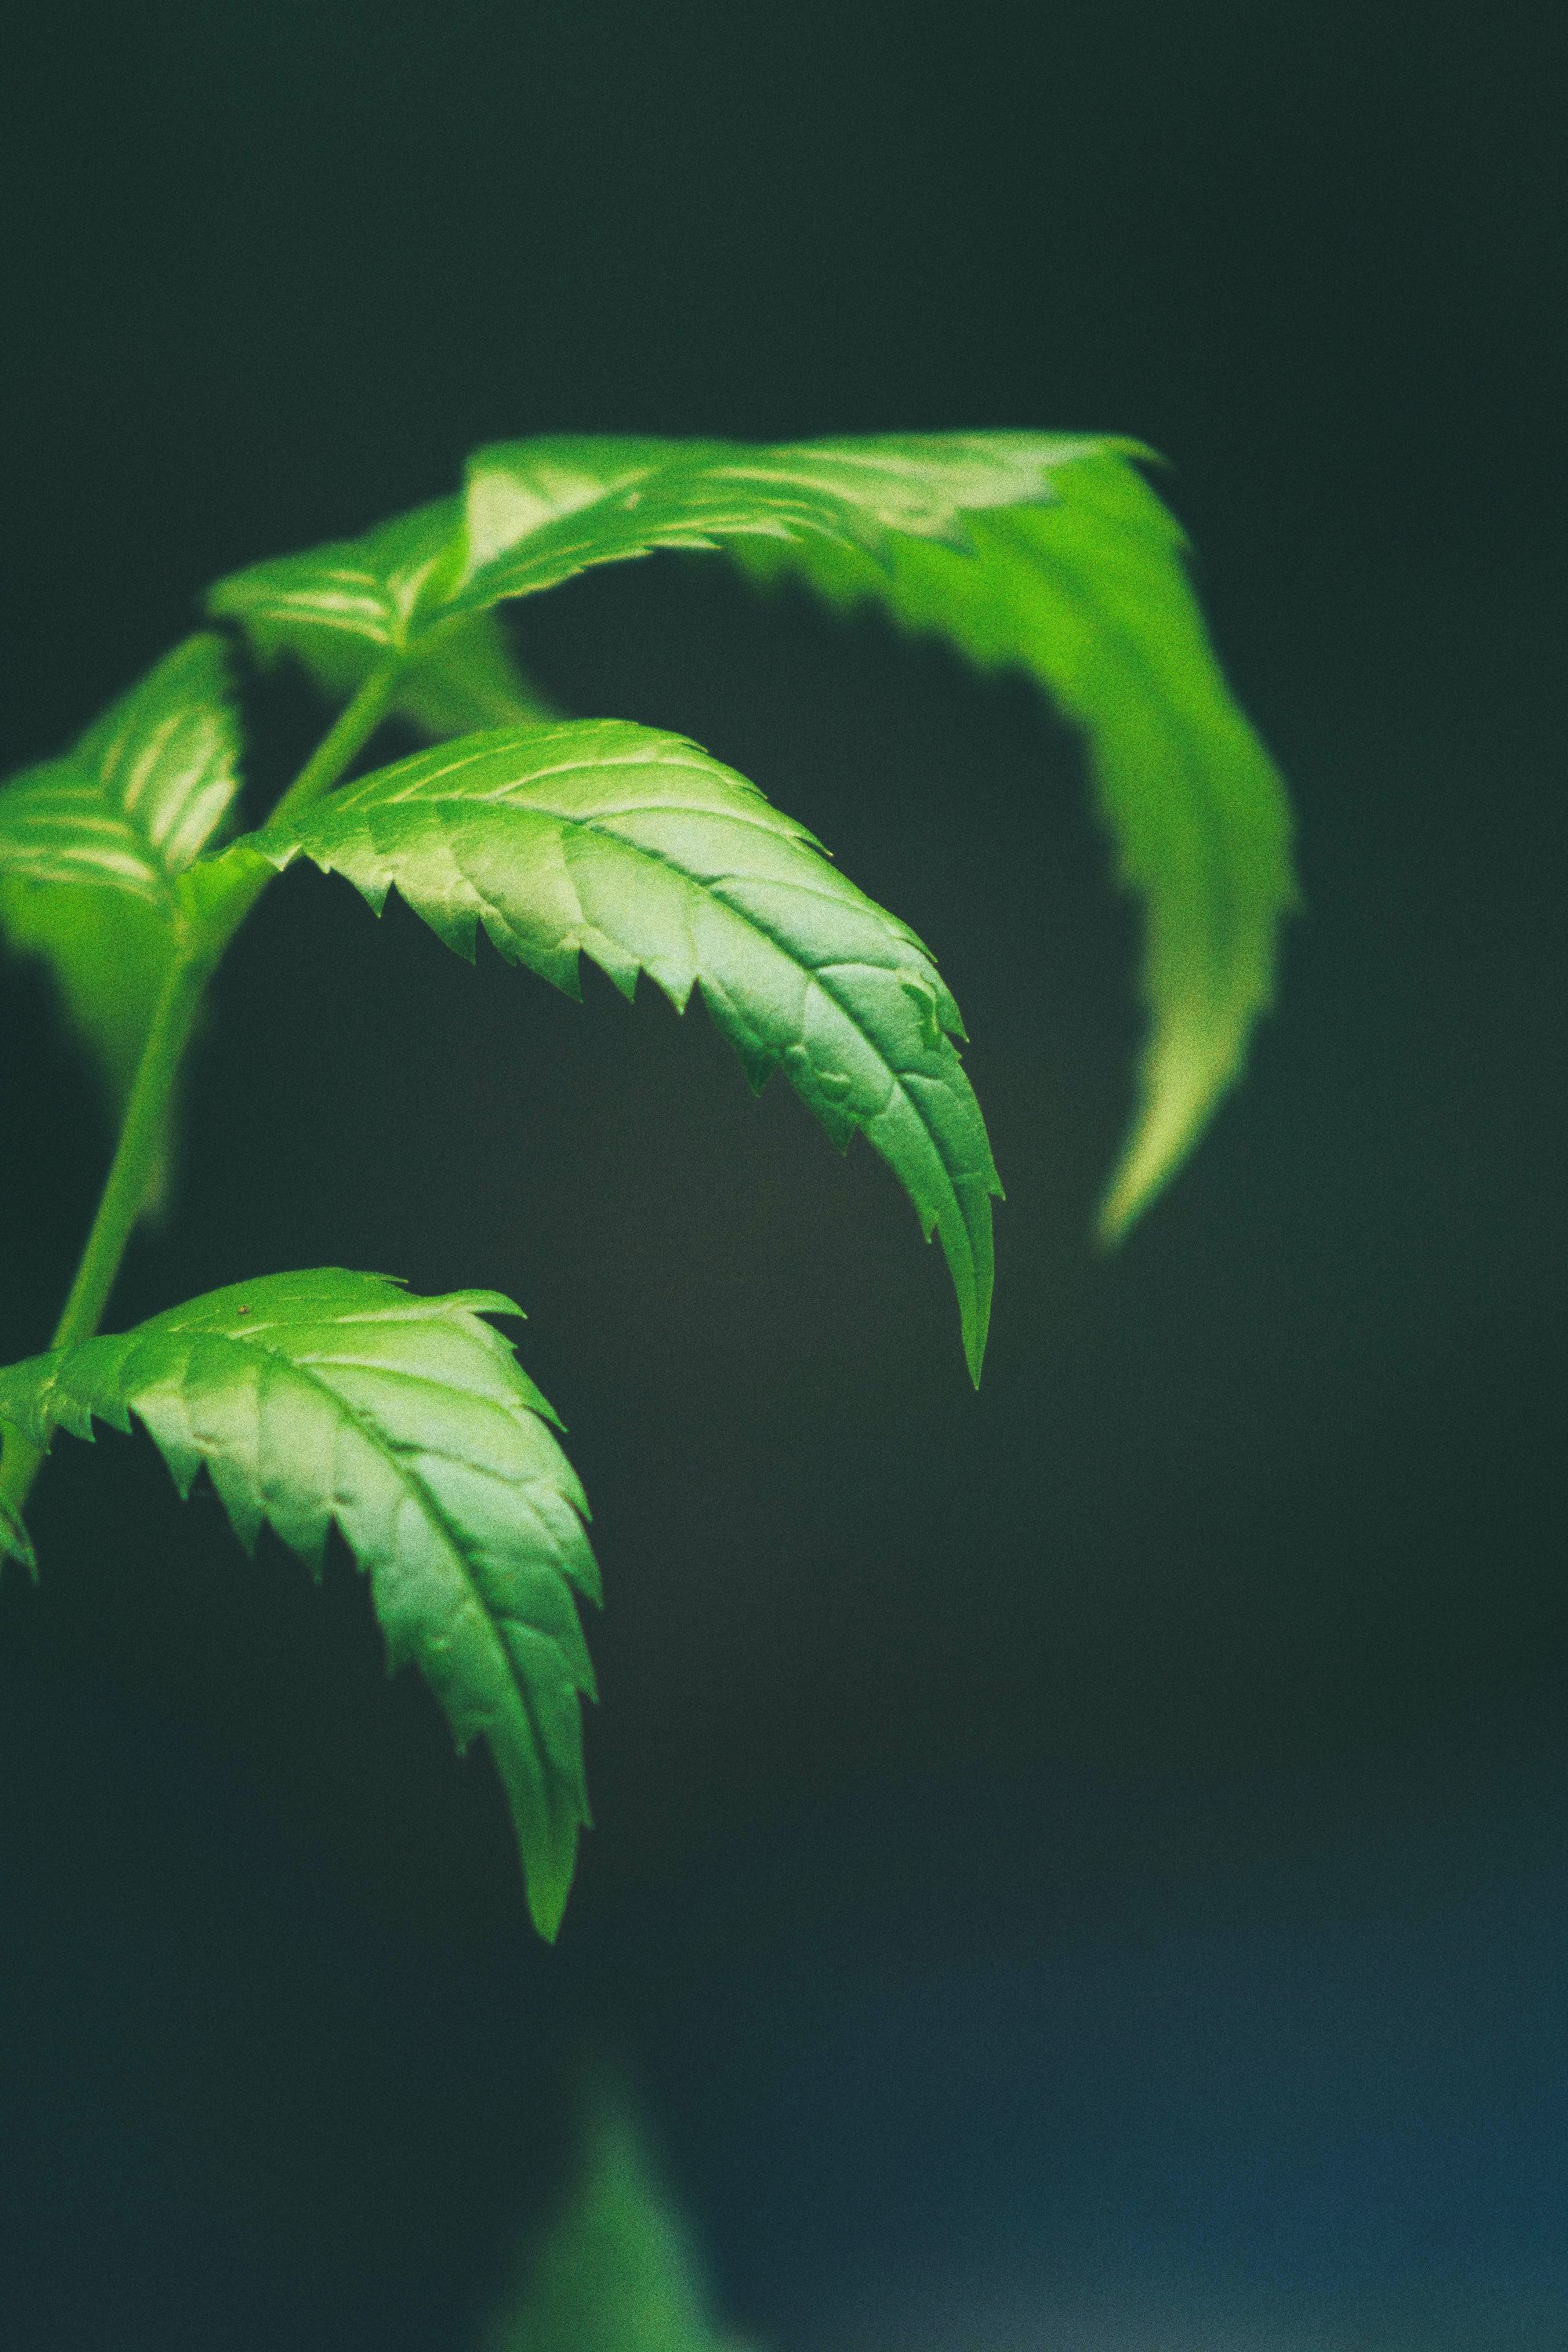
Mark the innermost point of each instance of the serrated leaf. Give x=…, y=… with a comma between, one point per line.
x=537, y=511
x=618, y=2271
x=1049, y=553
x=339, y=610
x=1044, y=553
x=93, y=843
x=329, y=1399
x=635, y=848
x=1089, y=596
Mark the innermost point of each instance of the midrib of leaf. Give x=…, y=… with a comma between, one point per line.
x=716, y=886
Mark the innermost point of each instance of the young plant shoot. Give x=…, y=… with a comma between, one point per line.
x=327, y=1397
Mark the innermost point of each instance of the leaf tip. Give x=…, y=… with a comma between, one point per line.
x=14, y=1541
x=548, y=1880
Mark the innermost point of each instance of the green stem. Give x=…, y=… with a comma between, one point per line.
x=125, y=1191
x=145, y=1126
x=356, y=724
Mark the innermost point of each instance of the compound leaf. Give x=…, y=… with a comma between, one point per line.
x=1045, y=553
x=91, y=844
x=631, y=846
x=617, y=2270
x=329, y=1399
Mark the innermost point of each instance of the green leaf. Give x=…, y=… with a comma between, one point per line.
x=91, y=845
x=1045, y=553
x=372, y=591
x=329, y=1398
x=464, y=675
x=1089, y=594
x=537, y=511
x=140, y=796
x=14, y=1541
x=341, y=609
x=618, y=2271
x=635, y=848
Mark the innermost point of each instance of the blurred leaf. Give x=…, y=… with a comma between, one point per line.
x=1044, y=552
x=332, y=1399
x=1089, y=596
x=633, y=847
x=618, y=2271
x=464, y=676
x=91, y=844
x=14, y=1541
x=371, y=590
x=537, y=511
x=137, y=799
x=339, y=610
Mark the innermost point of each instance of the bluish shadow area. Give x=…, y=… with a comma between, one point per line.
x=1333, y=2114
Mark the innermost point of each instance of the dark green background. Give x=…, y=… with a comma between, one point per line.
x=1090, y=1858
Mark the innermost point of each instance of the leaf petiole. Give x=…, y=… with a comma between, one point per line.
x=215, y=912
x=125, y=1190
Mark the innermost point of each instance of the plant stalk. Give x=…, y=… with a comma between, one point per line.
x=125, y=1191
x=144, y=1127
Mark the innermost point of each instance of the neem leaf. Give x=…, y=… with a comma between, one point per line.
x=330, y=1399
x=1088, y=594
x=633, y=847
x=91, y=844
x=617, y=2269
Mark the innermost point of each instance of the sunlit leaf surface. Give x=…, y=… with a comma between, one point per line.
x=329, y=1399
x=93, y=843
x=604, y=839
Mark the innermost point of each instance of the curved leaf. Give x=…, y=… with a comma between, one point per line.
x=537, y=511
x=633, y=847
x=330, y=1399
x=1044, y=552
x=91, y=845
x=339, y=610
x=1089, y=596
x=373, y=590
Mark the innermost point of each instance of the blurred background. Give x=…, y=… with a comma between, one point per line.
x=1084, y=1865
